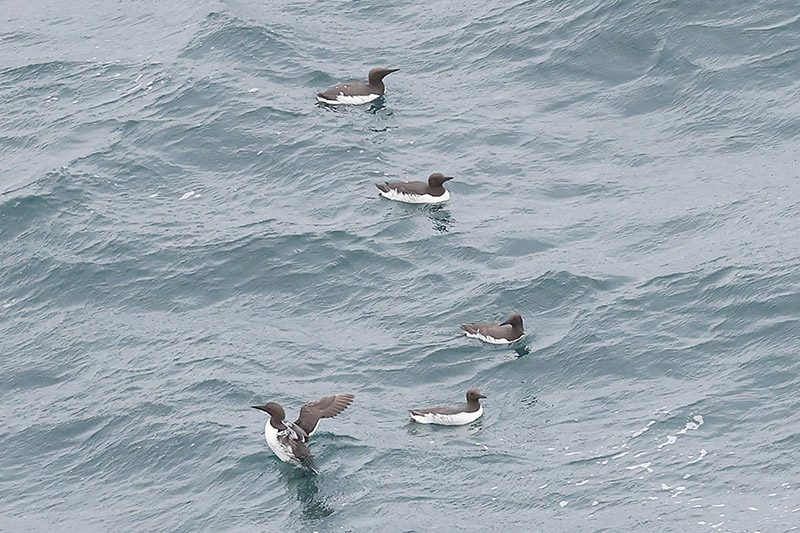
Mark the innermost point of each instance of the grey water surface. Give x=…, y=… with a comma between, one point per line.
x=184, y=233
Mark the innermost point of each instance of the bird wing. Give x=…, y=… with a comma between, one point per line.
x=353, y=88
x=409, y=187
x=447, y=410
x=494, y=330
x=296, y=432
x=326, y=407
x=471, y=328
x=299, y=450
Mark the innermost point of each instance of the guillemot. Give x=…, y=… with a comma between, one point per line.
x=356, y=92
x=455, y=415
x=287, y=439
x=497, y=332
x=417, y=192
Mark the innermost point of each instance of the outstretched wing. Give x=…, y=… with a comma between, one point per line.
x=326, y=407
x=294, y=432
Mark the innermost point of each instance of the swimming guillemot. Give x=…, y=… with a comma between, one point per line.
x=417, y=192
x=287, y=439
x=497, y=333
x=455, y=415
x=356, y=92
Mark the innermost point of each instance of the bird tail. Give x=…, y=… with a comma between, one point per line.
x=308, y=462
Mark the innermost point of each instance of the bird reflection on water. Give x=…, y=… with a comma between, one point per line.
x=521, y=348
x=440, y=218
x=313, y=506
x=376, y=105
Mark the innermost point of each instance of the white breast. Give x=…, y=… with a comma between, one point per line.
x=351, y=100
x=283, y=452
x=492, y=340
x=415, y=198
x=458, y=419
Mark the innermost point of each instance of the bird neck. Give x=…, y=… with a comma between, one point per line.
x=473, y=406
x=277, y=423
x=378, y=85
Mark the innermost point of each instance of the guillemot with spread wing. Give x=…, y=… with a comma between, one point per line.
x=288, y=439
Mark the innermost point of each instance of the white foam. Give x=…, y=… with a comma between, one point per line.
x=187, y=195
x=671, y=439
x=641, y=431
x=692, y=426
x=416, y=198
x=643, y=466
x=699, y=457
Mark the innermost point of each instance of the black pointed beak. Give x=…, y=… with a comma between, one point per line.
x=260, y=407
x=447, y=178
x=390, y=70
x=481, y=396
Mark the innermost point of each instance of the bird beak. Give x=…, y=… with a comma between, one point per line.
x=481, y=396
x=447, y=178
x=390, y=70
x=259, y=407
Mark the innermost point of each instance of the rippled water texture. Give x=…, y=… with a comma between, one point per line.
x=185, y=233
